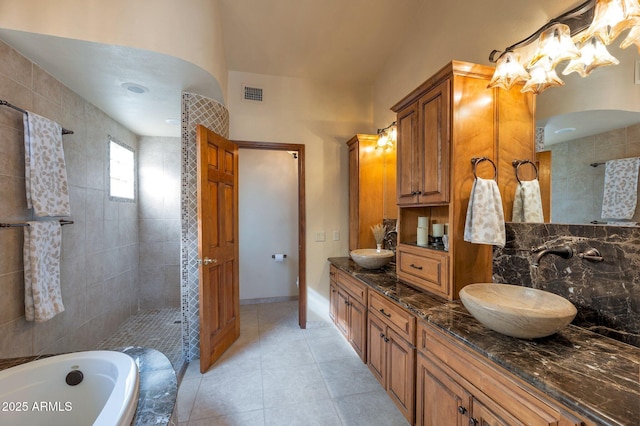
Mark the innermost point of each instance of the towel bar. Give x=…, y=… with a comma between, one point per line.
x=5, y=103
x=23, y=224
x=517, y=163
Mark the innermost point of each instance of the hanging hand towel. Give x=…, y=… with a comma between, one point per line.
x=42, y=296
x=527, y=203
x=620, y=188
x=45, y=170
x=485, y=218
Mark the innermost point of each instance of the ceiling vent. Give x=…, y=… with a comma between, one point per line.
x=252, y=93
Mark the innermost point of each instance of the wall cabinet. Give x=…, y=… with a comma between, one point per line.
x=444, y=123
x=347, y=303
x=391, y=351
x=372, y=188
x=454, y=383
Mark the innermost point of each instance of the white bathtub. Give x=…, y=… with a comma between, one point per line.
x=36, y=393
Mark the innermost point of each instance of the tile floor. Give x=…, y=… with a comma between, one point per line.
x=278, y=374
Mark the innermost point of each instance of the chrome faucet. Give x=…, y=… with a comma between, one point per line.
x=564, y=252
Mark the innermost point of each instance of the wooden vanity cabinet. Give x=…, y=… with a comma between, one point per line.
x=347, y=305
x=442, y=124
x=456, y=386
x=372, y=188
x=392, y=352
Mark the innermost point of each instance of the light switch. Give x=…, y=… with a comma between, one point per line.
x=336, y=235
x=321, y=236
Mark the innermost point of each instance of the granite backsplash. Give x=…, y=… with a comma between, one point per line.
x=607, y=293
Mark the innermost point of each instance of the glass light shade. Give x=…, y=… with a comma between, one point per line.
x=383, y=139
x=542, y=77
x=555, y=43
x=393, y=134
x=633, y=37
x=611, y=17
x=508, y=72
x=593, y=54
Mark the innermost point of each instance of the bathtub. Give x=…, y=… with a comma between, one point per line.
x=82, y=388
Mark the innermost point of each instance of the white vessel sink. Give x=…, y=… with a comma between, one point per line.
x=372, y=258
x=517, y=311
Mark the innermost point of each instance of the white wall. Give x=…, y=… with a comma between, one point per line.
x=268, y=222
x=456, y=29
x=322, y=117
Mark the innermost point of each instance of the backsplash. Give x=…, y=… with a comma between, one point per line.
x=607, y=294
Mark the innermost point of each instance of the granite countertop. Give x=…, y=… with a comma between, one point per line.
x=158, y=384
x=595, y=376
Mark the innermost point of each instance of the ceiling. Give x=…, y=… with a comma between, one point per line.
x=329, y=40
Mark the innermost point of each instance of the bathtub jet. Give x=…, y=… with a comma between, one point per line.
x=97, y=388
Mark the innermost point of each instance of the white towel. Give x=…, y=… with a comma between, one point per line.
x=485, y=218
x=527, y=203
x=45, y=170
x=620, y=188
x=42, y=296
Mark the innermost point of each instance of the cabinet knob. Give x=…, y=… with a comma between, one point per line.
x=462, y=410
x=419, y=268
x=346, y=302
x=472, y=421
x=386, y=339
x=382, y=335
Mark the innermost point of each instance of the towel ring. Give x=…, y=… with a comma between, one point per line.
x=476, y=160
x=518, y=163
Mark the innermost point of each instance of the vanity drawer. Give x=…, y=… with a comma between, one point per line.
x=333, y=274
x=427, y=269
x=355, y=288
x=403, y=322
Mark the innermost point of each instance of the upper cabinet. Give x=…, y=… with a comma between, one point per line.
x=444, y=123
x=424, y=148
x=372, y=188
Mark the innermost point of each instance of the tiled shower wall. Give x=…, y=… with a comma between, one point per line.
x=578, y=188
x=607, y=293
x=196, y=109
x=99, y=267
x=159, y=189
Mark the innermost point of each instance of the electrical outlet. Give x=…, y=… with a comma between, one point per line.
x=336, y=235
x=321, y=236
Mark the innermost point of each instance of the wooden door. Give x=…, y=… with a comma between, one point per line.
x=342, y=311
x=406, y=171
x=439, y=400
x=217, y=188
x=482, y=415
x=333, y=302
x=376, y=348
x=358, y=328
x=435, y=144
x=401, y=373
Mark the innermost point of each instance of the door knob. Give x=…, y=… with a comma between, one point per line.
x=206, y=261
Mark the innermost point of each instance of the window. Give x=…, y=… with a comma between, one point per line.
x=122, y=171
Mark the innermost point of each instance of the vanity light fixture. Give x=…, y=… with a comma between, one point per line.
x=388, y=136
x=579, y=36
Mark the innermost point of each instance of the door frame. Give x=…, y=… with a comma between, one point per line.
x=302, y=247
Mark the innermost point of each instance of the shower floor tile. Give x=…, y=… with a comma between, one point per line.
x=159, y=329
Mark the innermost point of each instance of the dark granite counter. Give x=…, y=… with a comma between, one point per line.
x=595, y=376
x=158, y=384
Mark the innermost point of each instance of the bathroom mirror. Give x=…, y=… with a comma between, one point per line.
x=589, y=120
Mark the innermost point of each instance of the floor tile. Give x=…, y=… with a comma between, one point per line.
x=251, y=418
x=228, y=395
x=347, y=377
x=316, y=413
x=369, y=409
x=293, y=385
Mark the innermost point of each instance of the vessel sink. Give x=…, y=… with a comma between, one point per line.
x=372, y=258
x=517, y=311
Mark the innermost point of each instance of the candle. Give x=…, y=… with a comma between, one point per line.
x=423, y=236
x=423, y=222
x=438, y=229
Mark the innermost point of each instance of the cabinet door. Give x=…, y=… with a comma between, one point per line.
x=342, y=310
x=439, y=400
x=354, y=197
x=435, y=147
x=358, y=328
x=401, y=373
x=407, y=153
x=376, y=348
x=482, y=415
x=333, y=302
